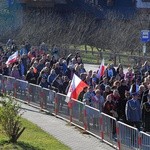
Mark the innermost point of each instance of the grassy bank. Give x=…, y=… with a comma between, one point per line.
x=33, y=138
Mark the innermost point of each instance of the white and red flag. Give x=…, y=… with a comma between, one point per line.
x=101, y=69
x=12, y=59
x=75, y=88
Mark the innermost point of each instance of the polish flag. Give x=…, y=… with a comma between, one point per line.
x=13, y=58
x=101, y=69
x=75, y=88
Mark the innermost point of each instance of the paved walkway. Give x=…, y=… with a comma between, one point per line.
x=60, y=129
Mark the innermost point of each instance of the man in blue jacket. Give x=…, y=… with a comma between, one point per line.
x=133, y=111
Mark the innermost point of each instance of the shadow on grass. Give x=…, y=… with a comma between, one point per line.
x=18, y=145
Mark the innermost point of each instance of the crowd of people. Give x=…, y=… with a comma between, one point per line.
x=123, y=95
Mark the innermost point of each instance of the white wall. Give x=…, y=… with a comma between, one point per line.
x=141, y=4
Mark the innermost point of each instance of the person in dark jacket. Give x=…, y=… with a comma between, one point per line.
x=146, y=114
x=144, y=96
x=122, y=89
x=65, y=84
x=41, y=65
x=31, y=77
x=43, y=83
x=58, y=83
x=57, y=69
x=122, y=105
x=69, y=72
x=51, y=76
x=5, y=70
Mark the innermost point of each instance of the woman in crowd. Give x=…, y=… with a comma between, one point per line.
x=107, y=91
x=129, y=75
x=121, y=73
x=119, y=67
x=98, y=100
x=110, y=109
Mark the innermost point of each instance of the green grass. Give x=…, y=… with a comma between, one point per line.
x=33, y=138
x=82, y=47
x=94, y=58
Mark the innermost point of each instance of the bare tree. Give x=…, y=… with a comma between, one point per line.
x=115, y=33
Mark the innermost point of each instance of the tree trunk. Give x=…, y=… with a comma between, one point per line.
x=92, y=50
x=85, y=46
x=115, y=59
x=119, y=58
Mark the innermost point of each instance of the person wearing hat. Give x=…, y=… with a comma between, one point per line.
x=146, y=114
x=133, y=111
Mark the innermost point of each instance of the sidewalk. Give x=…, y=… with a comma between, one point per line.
x=60, y=129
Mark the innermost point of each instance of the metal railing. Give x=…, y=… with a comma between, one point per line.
x=144, y=141
x=102, y=126
x=127, y=136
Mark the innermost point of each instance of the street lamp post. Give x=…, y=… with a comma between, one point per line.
x=145, y=37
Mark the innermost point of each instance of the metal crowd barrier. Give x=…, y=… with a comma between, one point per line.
x=92, y=118
x=22, y=90
x=144, y=141
x=9, y=85
x=77, y=113
x=103, y=126
x=108, y=129
x=35, y=95
x=48, y=100
x=62, y=108
x=127, y=136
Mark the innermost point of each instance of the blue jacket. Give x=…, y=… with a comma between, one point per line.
x=51, y=78
x=133, y=110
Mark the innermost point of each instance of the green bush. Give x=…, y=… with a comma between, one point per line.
x=10, y=117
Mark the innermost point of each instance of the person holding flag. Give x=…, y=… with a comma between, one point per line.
x=75, y=88
x=101, y=70
x=13, y=58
